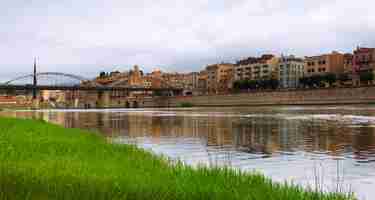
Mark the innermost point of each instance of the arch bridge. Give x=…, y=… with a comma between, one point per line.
x=65, y=81
x=73, y=84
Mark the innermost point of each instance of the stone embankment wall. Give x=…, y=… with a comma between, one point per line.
x=358, y=95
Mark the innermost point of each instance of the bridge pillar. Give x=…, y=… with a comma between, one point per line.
x=104, y=99
x=76, y=103
x=35, y=103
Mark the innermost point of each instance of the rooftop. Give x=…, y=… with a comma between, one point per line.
x=252, y=60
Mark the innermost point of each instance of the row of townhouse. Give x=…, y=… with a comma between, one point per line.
x=288, y=70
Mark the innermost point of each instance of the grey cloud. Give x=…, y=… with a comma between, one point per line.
x=91, y=35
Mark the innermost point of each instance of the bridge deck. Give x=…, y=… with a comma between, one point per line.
x=84, y=88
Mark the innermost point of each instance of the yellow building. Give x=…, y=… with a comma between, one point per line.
x=252, y=68
x=219, y=77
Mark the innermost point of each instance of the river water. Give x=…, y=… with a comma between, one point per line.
x=325, y=147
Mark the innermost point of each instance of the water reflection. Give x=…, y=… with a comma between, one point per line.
x=287, y=143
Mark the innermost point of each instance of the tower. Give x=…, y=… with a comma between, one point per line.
x=34, y=80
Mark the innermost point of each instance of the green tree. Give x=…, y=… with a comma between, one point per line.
x=330, y=78
x=274, y=83
x=236, y=85
x=343, y=77
x=102, y=74
x=303, y=82
x=366, y=76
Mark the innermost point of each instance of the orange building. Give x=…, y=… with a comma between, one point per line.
x=323, y=64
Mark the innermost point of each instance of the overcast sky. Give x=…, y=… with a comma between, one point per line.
x=87, y=36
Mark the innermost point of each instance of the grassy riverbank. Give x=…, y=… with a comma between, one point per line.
x=39, y=160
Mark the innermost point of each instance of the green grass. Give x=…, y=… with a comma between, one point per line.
x=39, y=160
x=185, y=105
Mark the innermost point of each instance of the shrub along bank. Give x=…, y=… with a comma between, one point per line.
x=39, y=160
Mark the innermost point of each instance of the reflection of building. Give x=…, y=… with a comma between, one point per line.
x=291, y=69
x=364, y=143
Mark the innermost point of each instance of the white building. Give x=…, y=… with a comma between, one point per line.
x=291, y=69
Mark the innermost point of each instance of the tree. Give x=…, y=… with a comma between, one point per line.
x=303, y=82
x=236, y=85
x=102, y=74
x=317, y=81
x=243, y=85
x=366, y=76
x=330, y=78
x=343, y=77
x=274, y=83
x=252, y=84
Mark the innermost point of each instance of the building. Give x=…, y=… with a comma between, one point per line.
x=291, y=69
x=364, y=60
x=348, y=77
x=153, y=79
x=135, y=77
x=219, y=77
x=175, y=80
x=202, y=82
x=323, y=64
x=129, y=78
x=348, y=63
x=254, y=68
x=191, y=80
x=107, y=79
x=147, y=82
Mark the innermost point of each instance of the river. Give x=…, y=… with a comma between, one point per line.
x=324, y=147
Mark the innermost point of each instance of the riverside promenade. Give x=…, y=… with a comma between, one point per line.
x=323, y=96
